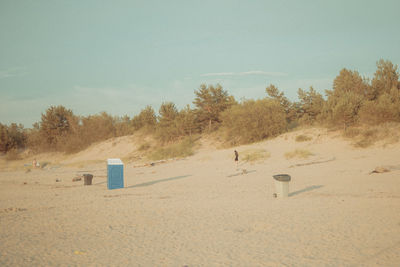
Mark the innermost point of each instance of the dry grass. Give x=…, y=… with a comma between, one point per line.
x=366, y=136
x=303, y=138
x=145, y=146
x=298, y=153
x=82, y=164
x=352, y=132
x=13, y=155
x=182, y=149
x=15, y=165
x=6, y=165
x=255, y=155
x=133, y=157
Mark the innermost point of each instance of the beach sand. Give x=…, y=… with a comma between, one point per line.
x=203, y=211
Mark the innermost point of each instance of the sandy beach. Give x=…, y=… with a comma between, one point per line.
x=204, y=211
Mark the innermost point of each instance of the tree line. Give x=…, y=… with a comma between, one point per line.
x=353, y=100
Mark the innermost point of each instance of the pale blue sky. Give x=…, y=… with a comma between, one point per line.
x=119, y=56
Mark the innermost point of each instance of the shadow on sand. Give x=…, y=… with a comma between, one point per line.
x=307, y=189
x=159, y=181
x=243, y=172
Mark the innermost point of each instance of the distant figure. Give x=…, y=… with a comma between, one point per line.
x=237, y=158
x=35, y=163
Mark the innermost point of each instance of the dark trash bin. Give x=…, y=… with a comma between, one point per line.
x=87, y=179
x=282, y=177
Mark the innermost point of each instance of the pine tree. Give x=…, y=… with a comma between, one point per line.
x=210, y=102
x=146, y=119
x=166, y=128
x=289, y=107
x=385, y=78
x=310, y=105
x=55, y=123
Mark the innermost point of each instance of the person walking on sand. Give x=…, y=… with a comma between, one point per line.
x=237, y=158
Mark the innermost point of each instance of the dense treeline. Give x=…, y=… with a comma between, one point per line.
x=353, y=100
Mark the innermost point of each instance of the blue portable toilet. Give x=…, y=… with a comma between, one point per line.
x=115, y=174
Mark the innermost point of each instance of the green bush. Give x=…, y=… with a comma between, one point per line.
x=355, y=99
x=12, y=137
x=385, y=109
x=123, y=126
x=345, y=100
x=166, y=126
x=367, y=137
x=146, y=119
x=60, y=130
x=253, y=121
x=345, y=112
x=173, y=125
x=57, y=122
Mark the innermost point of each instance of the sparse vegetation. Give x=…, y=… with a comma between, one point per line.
x=363, y=143
x=298, y=153
x=82, y=164
x=144, y=147
x=13, y=155
x=44, y=164
x=303, y=138
x=255, y=155
x=387, y=133
x=352, y=132
x=181, y=149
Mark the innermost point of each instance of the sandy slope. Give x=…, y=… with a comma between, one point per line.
x=201, y=211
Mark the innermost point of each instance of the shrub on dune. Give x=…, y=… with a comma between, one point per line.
x=253, y=121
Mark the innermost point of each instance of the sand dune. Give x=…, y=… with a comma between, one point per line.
x=203, y=211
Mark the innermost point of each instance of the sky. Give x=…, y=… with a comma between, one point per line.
x=120, y=56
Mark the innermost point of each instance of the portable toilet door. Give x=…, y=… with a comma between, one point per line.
x=115, y=174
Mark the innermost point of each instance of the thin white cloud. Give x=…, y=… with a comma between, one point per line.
x=12, y=72
x=5, y=74
x=245, y=73
x=218, y=74
x=264, y=73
